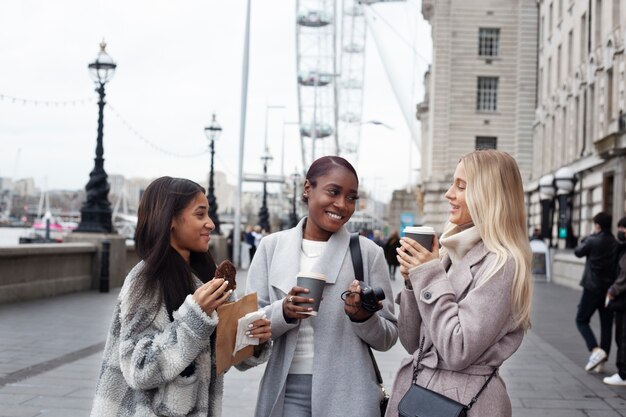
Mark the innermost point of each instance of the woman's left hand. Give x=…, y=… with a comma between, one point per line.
x=352, y=305
x=412, y=254
x=261, y=329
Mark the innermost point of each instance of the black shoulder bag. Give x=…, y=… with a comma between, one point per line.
x=422, y=402
x=357, y=263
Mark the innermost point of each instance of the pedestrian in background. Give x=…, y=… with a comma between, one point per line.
x=321, y=365
x=464, y=314
x=617, y=303
x=159, y=358
x=393, y=242
x=378, y=238
x=600, y=248
x=250, y=241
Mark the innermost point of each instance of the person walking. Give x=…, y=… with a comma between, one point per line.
x=321, y=365
x=600, y=248
x=159, y=357
x=250, y=241
x=617, y=302
x=484, y=272
x=393, y=242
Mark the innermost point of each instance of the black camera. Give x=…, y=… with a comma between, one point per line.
x=370, y=298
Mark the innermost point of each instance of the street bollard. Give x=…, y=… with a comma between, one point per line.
x=104, y=266
x=47, y=229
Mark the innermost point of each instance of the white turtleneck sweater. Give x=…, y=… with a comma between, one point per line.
x=458, y=241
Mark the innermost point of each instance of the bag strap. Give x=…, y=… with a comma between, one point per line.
x=416, y=373
x=357, y=263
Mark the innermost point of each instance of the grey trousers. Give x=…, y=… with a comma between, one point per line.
x=298, y=395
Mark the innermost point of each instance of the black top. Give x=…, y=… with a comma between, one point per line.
x=600, y=267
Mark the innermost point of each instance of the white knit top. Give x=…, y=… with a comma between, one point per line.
x=302, y=362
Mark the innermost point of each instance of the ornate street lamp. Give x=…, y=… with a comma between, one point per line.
x=293, y=217
x=95, y=215
x=264, y=217
x=565, y=181
x=546, y=196
x=213, y=132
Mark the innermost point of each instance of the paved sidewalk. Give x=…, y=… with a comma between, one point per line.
x=50, y=352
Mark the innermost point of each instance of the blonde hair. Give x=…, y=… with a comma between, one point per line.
x=495, y=200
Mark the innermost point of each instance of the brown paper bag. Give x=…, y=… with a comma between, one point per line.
x=229, y=314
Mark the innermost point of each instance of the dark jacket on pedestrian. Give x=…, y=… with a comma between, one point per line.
x=390, y=250
x=619, y=286
x=601, y=251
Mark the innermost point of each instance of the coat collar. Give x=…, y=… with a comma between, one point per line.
x=285, y=262
x=463, y=277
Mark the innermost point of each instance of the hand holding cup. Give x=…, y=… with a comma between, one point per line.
x=412, y=254
x=291, y=309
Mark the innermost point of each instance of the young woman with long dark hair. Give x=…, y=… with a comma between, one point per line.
x=159, y=358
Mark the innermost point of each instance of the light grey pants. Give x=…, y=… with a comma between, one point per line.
x=298, y=395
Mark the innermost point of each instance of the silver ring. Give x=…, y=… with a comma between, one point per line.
x=290, y=299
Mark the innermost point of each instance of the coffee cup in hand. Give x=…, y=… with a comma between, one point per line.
x=423, y=235
x=315, y=282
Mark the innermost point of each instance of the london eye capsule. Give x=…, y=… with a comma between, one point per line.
x=322, y=130
x=314, y=19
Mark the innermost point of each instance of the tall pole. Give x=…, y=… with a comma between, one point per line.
x=96, y=213
x=263, y=212
x=211, y=197
x=294, y=215
x=242, y=139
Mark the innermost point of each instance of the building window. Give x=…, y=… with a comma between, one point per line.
x=598, y=32
x=583, y=38
x=487, y=96
x=488, y=42
x=558, y=66
x=486, y=142
x=550, y=19
x=607, y=192
x=570, y=51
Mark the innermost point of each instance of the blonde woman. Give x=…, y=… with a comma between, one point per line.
x=470, y=307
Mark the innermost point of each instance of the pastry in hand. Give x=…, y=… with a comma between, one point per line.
x=227, y=270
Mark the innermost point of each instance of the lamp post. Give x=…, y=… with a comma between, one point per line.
x=546, y=196
x=565, y=181
x=95, y=215
x=295, y=177
x=264, y=216
x=213, y=132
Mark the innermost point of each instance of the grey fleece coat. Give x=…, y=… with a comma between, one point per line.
x=468, y=331
x=145, y=353
x=344, y=382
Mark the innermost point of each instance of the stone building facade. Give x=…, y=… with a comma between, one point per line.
x=480, y=89
x=578, y=122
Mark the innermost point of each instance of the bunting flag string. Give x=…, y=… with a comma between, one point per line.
x=148, y=142
x=46, y=103
x=64, y=103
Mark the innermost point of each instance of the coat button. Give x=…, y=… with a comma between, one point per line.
x=427, y=295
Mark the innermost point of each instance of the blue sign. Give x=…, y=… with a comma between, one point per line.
x=406, y=219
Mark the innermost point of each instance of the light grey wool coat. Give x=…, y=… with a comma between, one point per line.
x=344, y=382
x=468, y=331
x=145, y=353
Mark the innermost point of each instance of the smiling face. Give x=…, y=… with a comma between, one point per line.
x=190, y=230
x=332, y=201
x=459, y=213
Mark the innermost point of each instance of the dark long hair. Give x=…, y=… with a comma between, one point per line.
x=322, y=166
x=165, y=270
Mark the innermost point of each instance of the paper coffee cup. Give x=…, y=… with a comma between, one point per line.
x=315, y=282
x=423, y=235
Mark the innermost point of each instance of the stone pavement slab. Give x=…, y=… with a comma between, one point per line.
x=50, y=352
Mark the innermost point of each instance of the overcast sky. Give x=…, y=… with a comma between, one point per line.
x=178, y=61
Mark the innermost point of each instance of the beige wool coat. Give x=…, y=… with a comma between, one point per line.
x=468, y=331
